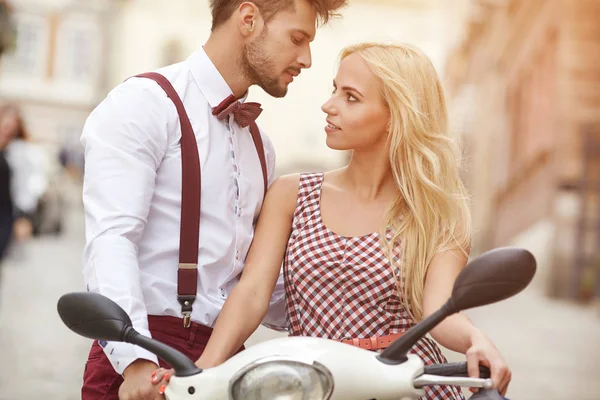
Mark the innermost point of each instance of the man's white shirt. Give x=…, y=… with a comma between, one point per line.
x=132, y=199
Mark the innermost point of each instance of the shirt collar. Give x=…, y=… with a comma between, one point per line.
x=209, y=79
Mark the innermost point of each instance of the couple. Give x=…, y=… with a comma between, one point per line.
x=367, y=250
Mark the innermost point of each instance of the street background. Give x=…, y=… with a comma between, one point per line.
x=523, y=85
x=552, y=346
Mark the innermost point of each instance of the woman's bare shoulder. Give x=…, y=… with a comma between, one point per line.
x=284, y=191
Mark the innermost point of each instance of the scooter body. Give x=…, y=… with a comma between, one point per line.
x=350, y=373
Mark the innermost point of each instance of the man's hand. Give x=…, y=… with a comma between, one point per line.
x=138, y=382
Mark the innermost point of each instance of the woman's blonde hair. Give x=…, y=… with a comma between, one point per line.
x=431, y=213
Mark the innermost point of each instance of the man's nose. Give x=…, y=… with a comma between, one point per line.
x=305, y=58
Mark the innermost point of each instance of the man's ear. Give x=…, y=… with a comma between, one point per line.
x=250, y=18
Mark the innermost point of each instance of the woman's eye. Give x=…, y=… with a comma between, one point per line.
x=351, y=98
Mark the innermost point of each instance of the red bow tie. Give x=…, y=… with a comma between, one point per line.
x=243, y=113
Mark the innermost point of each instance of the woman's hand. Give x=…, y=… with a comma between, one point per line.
x=483, y=352
x=136, y=385
x=161, y=377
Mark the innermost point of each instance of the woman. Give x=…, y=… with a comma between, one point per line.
x=29, y=182
x=373, y=247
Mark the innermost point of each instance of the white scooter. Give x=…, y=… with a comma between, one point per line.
x=306, y=368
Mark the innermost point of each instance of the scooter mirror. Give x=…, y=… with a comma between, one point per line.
x=494, y=276
x=93, y=316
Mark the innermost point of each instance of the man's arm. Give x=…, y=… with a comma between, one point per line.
x=125, y=139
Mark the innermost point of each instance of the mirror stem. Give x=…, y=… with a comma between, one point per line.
x=177, y=360
x=397, y=352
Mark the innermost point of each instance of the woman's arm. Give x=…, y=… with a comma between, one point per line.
x=457, y=333
x=454, y=332
x=248, y=302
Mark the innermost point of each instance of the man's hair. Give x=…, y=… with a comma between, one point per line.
x=223, y=9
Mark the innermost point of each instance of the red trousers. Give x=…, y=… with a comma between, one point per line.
x=101, y=381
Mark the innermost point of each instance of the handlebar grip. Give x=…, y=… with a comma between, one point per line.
x=455, y=369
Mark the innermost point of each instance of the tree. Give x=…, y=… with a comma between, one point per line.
x=7, y=28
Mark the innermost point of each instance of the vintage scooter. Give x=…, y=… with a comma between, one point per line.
x=307, y=368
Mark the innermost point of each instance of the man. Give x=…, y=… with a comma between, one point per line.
x=133, y=183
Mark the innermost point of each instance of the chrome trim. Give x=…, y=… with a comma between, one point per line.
x=320, y=367
x=316, y=365
x=428, y=380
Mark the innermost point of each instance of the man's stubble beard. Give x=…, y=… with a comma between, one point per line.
x=259, y=69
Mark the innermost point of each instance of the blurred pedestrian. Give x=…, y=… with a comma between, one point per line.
x=27, y=163
x=7, y=133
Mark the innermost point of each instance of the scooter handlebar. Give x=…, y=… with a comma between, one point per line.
x=455, y=369
x=461, y=369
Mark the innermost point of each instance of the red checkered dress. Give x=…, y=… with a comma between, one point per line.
x=342, y=287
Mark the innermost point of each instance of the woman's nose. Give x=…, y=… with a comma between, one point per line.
x=328, y=107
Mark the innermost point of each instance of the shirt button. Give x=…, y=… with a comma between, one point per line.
x=237, y=255
x=223, y=293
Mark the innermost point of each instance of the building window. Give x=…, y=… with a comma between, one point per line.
x=82, y=45
x=79, y=42
x=28, y=56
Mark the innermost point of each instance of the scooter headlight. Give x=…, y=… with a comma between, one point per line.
x=280, y=379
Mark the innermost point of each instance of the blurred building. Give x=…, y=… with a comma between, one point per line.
x=56, y=71
x=524, y=84
x=152, y=33
x=70, y=53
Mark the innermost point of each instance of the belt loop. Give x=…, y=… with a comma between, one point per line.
x=374, y=345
